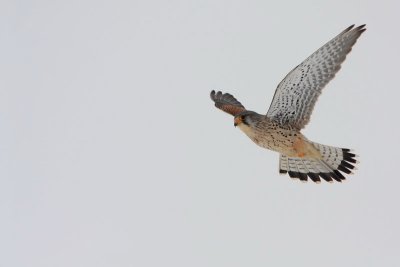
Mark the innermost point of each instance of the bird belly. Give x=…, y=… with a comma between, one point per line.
x=287, y=142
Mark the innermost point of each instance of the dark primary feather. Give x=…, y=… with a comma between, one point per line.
x=227, y=103
x=297, y=93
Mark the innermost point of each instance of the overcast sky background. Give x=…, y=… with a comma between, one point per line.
x=112, y=154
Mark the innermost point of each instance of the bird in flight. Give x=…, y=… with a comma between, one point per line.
x=294, y=99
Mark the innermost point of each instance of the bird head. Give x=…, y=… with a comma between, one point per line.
x=246, y=118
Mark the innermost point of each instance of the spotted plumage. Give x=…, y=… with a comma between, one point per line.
x=290, y=111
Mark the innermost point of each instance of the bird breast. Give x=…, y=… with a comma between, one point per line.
x=286, y=141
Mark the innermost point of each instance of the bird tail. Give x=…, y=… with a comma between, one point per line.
x=333, y=161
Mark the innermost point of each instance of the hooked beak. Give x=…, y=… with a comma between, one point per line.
x=237, y=121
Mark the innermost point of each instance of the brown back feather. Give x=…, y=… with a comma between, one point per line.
x=227, y=103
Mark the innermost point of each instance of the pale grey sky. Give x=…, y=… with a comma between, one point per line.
x=112, y=154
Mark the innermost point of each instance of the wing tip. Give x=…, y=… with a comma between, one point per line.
x=212, y=95
x=359, y=29
x=215, y=95
x=349, y=28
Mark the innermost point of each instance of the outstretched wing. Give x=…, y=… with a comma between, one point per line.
x=227, y=103
x=297, y=93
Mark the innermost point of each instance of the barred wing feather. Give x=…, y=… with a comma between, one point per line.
x=297, y=93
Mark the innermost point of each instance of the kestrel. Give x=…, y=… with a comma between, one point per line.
x=290, y=111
